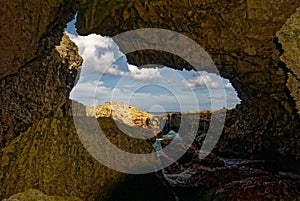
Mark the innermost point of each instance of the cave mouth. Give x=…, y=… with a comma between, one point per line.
x=107, y=76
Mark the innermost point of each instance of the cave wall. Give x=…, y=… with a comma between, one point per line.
x=290, y=43
x=253, y=43
x=40, y=89
x=38, y=63
x=23, y=24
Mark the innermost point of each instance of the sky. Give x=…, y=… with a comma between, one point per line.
x=107, y=76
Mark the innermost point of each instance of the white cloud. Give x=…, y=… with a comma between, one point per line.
x=228, y=85
x=203, y=80
x=144, y=74
x=100, y=55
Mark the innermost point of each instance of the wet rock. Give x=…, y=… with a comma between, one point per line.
x=174, y=168
x=208, y=178
x=258, y=164
x=259, y=188
x=212, y=160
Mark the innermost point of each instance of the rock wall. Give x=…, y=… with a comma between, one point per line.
x=40, y=89
x=289, y=39
x=24, y=24
x=239, y=36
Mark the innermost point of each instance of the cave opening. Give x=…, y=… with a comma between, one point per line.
x=254, y=44
x=107, y=76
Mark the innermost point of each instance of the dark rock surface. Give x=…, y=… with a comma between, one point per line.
x=259, y=188
x=26, y=25
x=40, y=89
x=234, y=180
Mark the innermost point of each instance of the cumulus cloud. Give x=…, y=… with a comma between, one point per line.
x=203, y=80
x=228, y=85
x=144, y=74
x=87, y=92
x=100, y=55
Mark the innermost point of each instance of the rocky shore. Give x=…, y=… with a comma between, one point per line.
x=218, y=178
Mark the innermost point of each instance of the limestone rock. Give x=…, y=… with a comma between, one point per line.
x=128, y=114
x=228, y=31
x=236, y=180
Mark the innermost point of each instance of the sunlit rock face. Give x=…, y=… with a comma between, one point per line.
x=240, y=37
x=127, y=114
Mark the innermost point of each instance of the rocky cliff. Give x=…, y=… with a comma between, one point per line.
x=128, y=114
x=26, y=26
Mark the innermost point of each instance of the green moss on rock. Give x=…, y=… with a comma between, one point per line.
x=50, y=157
x=36, y=195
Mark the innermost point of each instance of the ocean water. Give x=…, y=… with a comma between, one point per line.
x=161, y=113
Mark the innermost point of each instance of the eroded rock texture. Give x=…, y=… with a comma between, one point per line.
x=241, y=38
x=23, y=24
x=40, y=89
x=289, y=38
x=50, y=157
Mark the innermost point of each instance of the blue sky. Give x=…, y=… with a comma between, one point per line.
x=106, y=76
